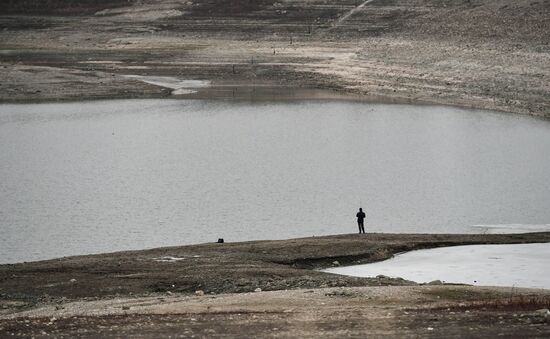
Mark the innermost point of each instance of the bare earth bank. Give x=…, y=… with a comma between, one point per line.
x=184, y=291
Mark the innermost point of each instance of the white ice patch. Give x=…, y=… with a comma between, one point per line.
x=168, y=259
x=100, y=62
x=520, y=265
x=174, y=259
x=181, y=91
x=141, y=13
x=511, y=228
x=179, y=86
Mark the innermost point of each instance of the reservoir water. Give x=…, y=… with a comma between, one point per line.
x=98, y=176
x=518, y=265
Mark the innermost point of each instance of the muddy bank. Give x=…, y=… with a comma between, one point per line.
x=273, y=292
x=220, y=268
x=482, y=53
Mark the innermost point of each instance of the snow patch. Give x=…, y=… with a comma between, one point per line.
x=168, y=259
x=100, y=62
x=173, y=259
x=144, y=13
x=181, y=91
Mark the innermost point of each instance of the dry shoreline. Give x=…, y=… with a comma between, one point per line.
x=481, y=54
x=232, y=267
x=97, y=86
x=159, y=287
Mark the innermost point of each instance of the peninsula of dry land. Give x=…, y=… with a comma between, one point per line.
x=261, y=288
x=490, y=54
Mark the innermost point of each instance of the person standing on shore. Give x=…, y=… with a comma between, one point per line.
x=361, y=220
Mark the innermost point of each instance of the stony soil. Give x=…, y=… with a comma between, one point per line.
x=491, y=54
x=84, y=291
x=422, y=311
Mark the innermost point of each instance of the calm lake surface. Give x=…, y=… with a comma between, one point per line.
x=90, y=177
x=518, y=265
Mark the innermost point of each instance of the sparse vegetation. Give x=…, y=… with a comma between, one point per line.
x=514, y=303
x=460, y=294
x=487, y=299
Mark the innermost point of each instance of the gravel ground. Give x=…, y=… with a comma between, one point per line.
x=426, y=311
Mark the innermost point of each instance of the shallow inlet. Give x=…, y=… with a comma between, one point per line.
x=99, y=176
x=520, y=265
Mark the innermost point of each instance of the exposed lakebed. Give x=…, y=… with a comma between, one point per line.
x=97, y=176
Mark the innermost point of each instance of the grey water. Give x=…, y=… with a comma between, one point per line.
x=99, y=176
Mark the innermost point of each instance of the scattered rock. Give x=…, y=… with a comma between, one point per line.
x=72, y=281
x=543, y=311
x=258, y=290
x=342, y=293
x=199, y=292
x=242, y=282
x=336, y=263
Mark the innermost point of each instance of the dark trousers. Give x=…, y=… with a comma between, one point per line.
x=361, y=226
